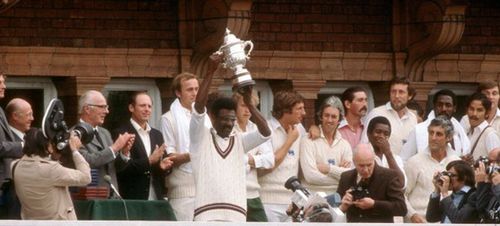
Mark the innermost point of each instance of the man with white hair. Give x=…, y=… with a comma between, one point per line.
x=101, y=153
x=370, y=193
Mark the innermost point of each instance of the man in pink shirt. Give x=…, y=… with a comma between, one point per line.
x=355, y=104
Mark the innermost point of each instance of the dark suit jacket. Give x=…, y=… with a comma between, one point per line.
x=384, y=188
x=9, y=148
x=488, y=198
x=134, y=178
x=465, y=212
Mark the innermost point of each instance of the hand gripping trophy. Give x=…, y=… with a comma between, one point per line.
x=235, y=58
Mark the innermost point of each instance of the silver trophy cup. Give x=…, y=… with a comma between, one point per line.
x=235, y=58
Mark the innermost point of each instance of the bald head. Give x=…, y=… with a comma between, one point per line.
x=93, y=107
x=19, y=114
x=364, y=160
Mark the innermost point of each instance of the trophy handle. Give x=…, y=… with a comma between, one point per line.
x=248, y=43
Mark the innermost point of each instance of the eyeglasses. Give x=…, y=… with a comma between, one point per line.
x=104, y=106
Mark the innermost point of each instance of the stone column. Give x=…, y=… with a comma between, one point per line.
x=309, y=90
x=422, y=92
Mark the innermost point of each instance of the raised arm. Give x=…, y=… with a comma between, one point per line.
x=256, y=117
x=202, y=96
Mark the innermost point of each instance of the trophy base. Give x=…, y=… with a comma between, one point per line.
x=242, y=80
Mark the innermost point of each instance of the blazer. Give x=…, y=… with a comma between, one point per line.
x=135, y=176
x=384, y=188
x=9, y=148
x=101, y=157
x=42, y=187
x=466, y=211
x=488, y=196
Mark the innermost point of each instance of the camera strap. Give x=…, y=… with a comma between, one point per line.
x=478, y=138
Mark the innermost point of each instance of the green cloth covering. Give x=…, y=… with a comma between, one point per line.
x=255, y=210
x=113, y=209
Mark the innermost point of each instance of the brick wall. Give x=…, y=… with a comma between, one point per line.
x=90, y=24
x=314, y=25
x=482, y=28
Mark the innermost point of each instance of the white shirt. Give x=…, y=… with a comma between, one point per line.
x=491, y=141
x=400, y=126
x=264, y=156
x=17, y=132
x=144, y=135
x=383, y=162
x=418, y=139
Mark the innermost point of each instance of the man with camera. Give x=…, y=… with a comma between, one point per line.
x=370, y=193
x=420, y=168
x=488, y=187
x=9, y=149
x=41, y=182
x=101, y=153
x=460, y=205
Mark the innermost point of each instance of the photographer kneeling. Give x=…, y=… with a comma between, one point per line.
x=41, y=182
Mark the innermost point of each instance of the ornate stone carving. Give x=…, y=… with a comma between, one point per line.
x=203, y=24
x=6, y=4
x=432, y=28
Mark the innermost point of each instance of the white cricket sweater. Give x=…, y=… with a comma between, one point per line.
x=219, y=171
x=273, y=189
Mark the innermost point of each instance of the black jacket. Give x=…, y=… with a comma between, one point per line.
x=134, y=178
x=466, y=211
x=384, y=187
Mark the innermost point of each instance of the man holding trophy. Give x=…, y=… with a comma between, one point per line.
x=217, y=151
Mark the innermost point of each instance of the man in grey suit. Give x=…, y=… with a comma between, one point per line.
x=101, y=153
x=9, y=149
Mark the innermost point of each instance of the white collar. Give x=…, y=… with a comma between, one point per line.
x=17, y=132
x=138, y=127
x=407, y=114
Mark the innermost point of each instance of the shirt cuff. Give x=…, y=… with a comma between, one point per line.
x=126, y=158
x=112, y=152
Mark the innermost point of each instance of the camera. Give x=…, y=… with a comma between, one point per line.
x=54, y=128
x=440, y=174
x=488, y=167
x=484, y=160
x=358, y=192
x=315, y=207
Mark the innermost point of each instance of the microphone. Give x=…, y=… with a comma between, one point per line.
x=107, y=178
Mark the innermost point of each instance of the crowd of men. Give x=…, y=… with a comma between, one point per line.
x=218, y=159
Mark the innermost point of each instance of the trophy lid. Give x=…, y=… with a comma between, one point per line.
x=230, y=38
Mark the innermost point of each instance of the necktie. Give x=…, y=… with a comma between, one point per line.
x=96, y=134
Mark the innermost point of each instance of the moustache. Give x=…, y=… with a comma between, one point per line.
x=473, y=118
x=363, y=109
